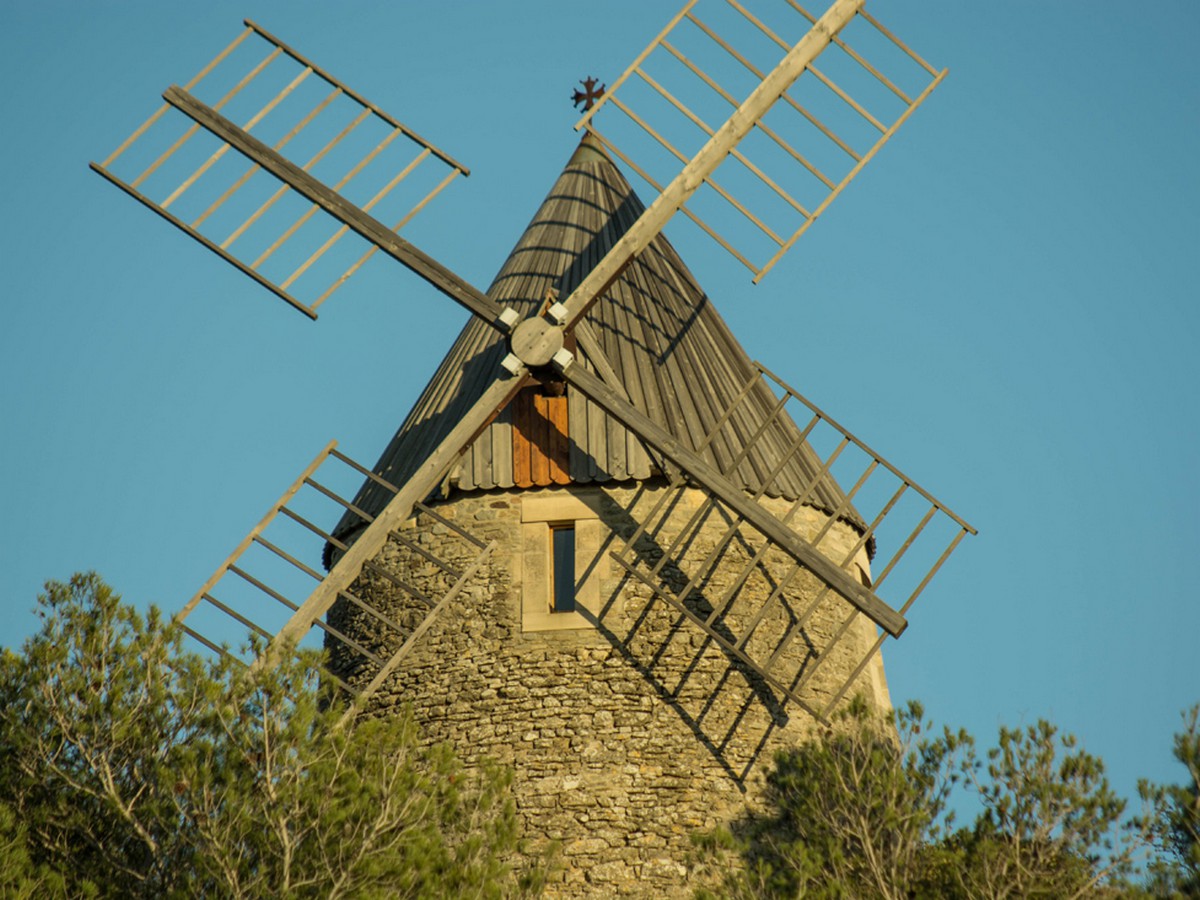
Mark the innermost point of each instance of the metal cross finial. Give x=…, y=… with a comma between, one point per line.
x=590, y=93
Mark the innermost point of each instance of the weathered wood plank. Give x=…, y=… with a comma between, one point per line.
x=521, y=451
x=539, y=439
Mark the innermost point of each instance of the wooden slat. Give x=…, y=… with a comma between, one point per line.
x=193, y=233
x=787, y=98
x=279, y=145
x=357, y=98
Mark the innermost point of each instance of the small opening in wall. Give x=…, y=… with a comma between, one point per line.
x=562, y=555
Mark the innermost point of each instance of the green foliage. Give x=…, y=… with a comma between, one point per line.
x=862, y=812
x=849, y=814
x=130, y=768
x=1050, y=822
x=1175, y=821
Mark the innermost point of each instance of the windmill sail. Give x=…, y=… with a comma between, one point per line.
x=258, y=587
x=270, y=218
x=831, y=118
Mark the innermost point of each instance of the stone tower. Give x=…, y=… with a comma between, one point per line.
x=627, y=727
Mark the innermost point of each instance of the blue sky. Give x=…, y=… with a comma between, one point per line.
x=1003, y=304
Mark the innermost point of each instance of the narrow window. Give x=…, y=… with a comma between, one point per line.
x=562, y=549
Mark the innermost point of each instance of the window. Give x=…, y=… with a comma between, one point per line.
x=562, y=565
x=561, y=562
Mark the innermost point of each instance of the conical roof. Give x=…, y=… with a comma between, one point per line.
x=672, y=352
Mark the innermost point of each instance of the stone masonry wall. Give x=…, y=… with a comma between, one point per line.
x=631, y=733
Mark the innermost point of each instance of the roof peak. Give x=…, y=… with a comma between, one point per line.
x=590, y=150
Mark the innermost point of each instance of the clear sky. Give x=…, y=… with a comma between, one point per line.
x=1003, y=304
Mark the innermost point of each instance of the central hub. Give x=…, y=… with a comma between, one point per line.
x=535, y=341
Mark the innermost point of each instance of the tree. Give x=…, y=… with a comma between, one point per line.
x=131, y=768
x=1050, y=825
x=862, y=812
x=849, y=814
x=1175, y=823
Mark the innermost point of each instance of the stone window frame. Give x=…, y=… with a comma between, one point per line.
x=538, y=514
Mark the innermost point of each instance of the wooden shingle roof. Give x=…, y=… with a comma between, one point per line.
x=672, y=352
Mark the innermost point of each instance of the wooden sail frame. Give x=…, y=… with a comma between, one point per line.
x=774, y=182
x=267, y=160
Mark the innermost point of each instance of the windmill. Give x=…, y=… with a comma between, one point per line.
x=605, y=545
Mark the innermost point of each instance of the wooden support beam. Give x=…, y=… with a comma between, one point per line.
x=338, y=206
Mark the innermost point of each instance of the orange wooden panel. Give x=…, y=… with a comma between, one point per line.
x=539, y=439
x=522, y=413
x=560, y=444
